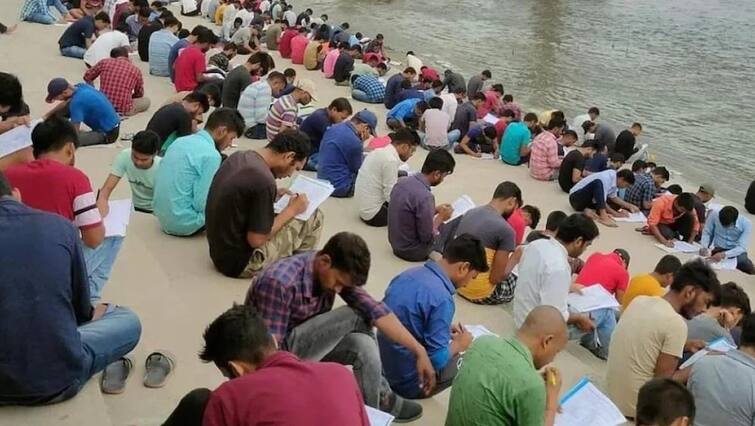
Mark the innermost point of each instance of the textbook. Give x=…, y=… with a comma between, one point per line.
x=479, y=331
x=632, y=218
x=317, y=192
x=462, y=205
x=16, y=139
x=117, y=218
x=592, y=298
x=680, y=247
x=584, y=405
x=717, y=345
x=377, y=417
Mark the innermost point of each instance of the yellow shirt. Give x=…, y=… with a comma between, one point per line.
x=219, y=14
x=642, y=285
x=480, y=287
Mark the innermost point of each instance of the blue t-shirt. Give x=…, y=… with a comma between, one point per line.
x=77, y=33
x=340, y=157
x=411, y=94
x=315, y=126
x=422, y=299
x=517, y=134
x=91, y=107
x=597, y=163
x=403, y=110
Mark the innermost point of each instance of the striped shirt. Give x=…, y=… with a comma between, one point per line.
x=32, y=7
x=254, y=102
x=282, y=114
x=544, y=161
x=371, y=86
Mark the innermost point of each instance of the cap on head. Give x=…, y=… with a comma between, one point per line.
x=55, y=87
x=708, y=189
x=307, y=86
x=367, y=117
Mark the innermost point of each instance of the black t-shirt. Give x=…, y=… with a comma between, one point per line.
x=240, y=200
x=750, y=198
x=343, y=68
x=573, y=160
x=625, y=144
x=143, y=39
x=78, y=33
x=168, y=119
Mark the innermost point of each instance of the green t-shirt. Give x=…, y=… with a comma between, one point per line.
x=142, y=181
x=497, y=385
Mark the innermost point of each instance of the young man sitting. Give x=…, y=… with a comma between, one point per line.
x=645, y=187
x=178, y=119
x=317, y=123
x=544, y=158
x=187, y=170
x=726, y=235
x=654, y=283
x=572, y=167
x=608, y=270
x=592, y=194
x=673, y=217
x=479, y=140
x=295, y=298
x=243, y=231
x=665, y=402
x=434, y=124
x=139, y=163
x=422, y=298
x=515, y=143
x=721, y=316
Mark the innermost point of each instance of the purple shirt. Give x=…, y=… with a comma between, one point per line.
x=410, y=216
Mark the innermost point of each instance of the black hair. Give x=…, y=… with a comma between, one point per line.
x=699, y=274
x=410, y=70
x=534, y=213
x=467, y=248
x=276, y=75
x=341, y=105
x=554, y=220
x=637, y=125
x=382, y=66
x=183, y=33
x=498, y=87
x=228, y=118
x=569, y=132
x=421, y=106
x=435, y=103
x=102, y=17
x=661, y=401
x=122, y=28
x=487, y=74
x=734, y=296
x=230, y=46
x=506, y=190
x=675, y=189
x=146, y=142
x=119, y=52
x=508, y=113
x=212, y=92
x=489, y=132
x=530, y=116
x=171, y=21
x=617, y=157
x=555, y=123
x=324, y=16
x=238, y=21
x=593, y=110
x=349, y=254
x=508, y=98
x=626, y=175
x=586, y=125
x=345, y=25
x=309, y=11
x=406, y=84
x=638, y=166
x=199, y=97
x=728, y=216
x=410, y=52
x=144, y=12
x=662, y=172
x=291, y=141
x=5, y=188
x=747, y=337
x=52, y=135
x=669, y=264
x=238, y=334
x=206, y=36
x=624, y=255
x=264, y=59
x=686, y=200
x=405, y=135
x=438, y=160
x=577, y=226
x=478, y=97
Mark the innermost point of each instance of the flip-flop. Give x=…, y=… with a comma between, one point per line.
x=159, y=366
x=115, y=375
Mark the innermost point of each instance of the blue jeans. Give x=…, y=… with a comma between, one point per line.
x=605, y=322
x=73, y=51
x=99, y=263
x=453, y=137
x=47, y=18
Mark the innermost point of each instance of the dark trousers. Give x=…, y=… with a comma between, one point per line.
x=98, y=138
x=744, y=263
x=591, y=196
x=381, y=217
x=258, y=131
x=190, y=410
x=346, y=192
x=681, y=228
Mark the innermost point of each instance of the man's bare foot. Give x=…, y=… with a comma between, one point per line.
x=11, y=29
x=607, y=221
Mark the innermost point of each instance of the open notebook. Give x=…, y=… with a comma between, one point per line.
x=584, y=404
x=317, y=192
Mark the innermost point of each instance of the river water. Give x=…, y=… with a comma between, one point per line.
x=683, y=68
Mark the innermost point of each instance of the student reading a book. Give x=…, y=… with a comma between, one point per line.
x=295, y=298
x=665, y=402
x=726, y=235
x=721, y=317
x=423, y=300
x=262, y=380
x=651, y=337
x=243, y=231
x=654, y=283
x=499, y=383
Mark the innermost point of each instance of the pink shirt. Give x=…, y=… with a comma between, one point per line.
x=544, y=160
x=329, y=64
x=436, y=127
x=516, y=220
x=492, y=104
x=298, y=45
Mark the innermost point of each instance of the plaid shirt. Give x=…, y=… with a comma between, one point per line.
x=120, y=81
x=544, y=160
x=371, y=86
x=35, y=6
x=286, y=295
x=642, y=190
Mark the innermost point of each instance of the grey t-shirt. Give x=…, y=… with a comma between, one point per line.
x=490, y=227
x=704, y=327
x=722, y=387
x=235, y=83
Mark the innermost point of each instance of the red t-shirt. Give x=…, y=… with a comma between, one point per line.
x=298, y=45
x=516, y=220
x=284, y=45
x=287, y=391
x=500, y=127
x=605, y=269
x=429, y=74
x=190, y=62
x=54, y=187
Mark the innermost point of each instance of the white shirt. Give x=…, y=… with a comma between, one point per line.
x=375, y=180
x=290, y=16
x=544, y=279
x=436, y=127
x=449, y=105
x=414, y=62
x=102, y=46
x=246, y=17
x=576, y=125
x=229, y=15
x=607, y=179
x=264, y=6
x=188, y=6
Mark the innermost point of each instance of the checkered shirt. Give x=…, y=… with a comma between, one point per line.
x=642, y=190
x=120, y=81
x=371, y=86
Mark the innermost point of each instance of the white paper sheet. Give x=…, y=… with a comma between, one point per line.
x=478, y=330
x=117, y=218
x=680, y=247
x=490, y=118
x=16, y=139
x=462, y=205
x=377, y=417
x=485, y=156
x=718, y=345
x=584, y=405
x=633, y=218
x=317, y=192
x=592, y=298
x=729, y=264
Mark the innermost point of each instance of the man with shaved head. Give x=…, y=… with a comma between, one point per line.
x=498, y=382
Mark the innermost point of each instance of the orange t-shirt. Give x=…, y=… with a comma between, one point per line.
x=662, y=212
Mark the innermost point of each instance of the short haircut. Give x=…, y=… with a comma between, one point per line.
x=460, y=90
x=349, y=254
x=577, y=226
x=747, y=337
x=555, y=123
x=554, y=220
x=498, y=87
x=206, y=36
x=467, y=248
x=212, y=92
x=698, y=274
x=626, y=175
x=382, y=66
x=405, y=136
x=487, y=74
x=421, y=106
x=183, y=33
x=146, y=142
x=410, y=70
x=531, y=117
x=5, y=188
x=172, y=21
x=119, y=52
x=238, y=334
x=410, y=52
x=669, y=264
x=438, y=160
x=593, y=110
x=145, y=12
x=199, y=29
x=289, y=72
x=534, y=213
x=637, y=125
x=674, y=189
x=478, y=97
x=662, y=172
x=228, y=118
x=728, y=216
x=508, y=98
x=52, y=135
x=624, y=255
x=291, y=141
x=276, y=75
x=734, y=296
x=341, y=105
x=435, y=103
x=638, y=166
x=102, y=17
x=230, y=46
x=686, y=200
x=489, y=132
x=617, y=157
x=661, y=401
x=506, y=190
x=570, y=133
x=264, y=59
x=508, y=113
x=200, y=98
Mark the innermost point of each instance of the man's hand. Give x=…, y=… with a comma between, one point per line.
x=298, y=203
x=584, y=323
x=103, y=206
x=726, y=319
x=718, y=256
x=634, y=209
x=99, y=311
x=704, y=252
x=281, y=192
x=669, y=243
x=694, y=345
x=621, y=213
x=552, y=378
x=445, y=211
x=576, y=288
x=461, y=337
x=426, y=372
x=23, y=120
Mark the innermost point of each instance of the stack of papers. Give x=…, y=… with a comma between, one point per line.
x=718, y=345
x=478, y=331
x=117, y=218
x=584, y=405
x=490, y=118
x=633, y=218
x=377, y=417
x=317, y=192
x=462, y=205
x=484, y=156
x=592, y=298
x=16, y=139
x=680, y=247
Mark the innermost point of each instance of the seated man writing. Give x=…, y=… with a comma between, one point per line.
x=673, y=217
x=608, y=270
x=178, y=119
x=592, y=194
x=726, y=235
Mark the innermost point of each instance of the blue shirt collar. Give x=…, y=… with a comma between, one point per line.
x=440, y=273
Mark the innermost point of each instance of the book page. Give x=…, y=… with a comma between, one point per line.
x=16, y=139
x=592, y=298
x=317, y=192
x=729, y=264
x=680, y=247
x=490, y=118
x=462, y=205
x=117, y=218
x=478, y=331
x=377, y=417
x=718, y=345
x=584, y=405
x=633, y=218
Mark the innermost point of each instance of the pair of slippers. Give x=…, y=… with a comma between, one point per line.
x=158, y=367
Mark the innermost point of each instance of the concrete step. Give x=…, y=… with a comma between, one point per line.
x=87, y=408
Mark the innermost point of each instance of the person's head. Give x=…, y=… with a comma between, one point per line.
x=304, y=91
x=339, y=110
x=409, y=73
x=530, y=119
x=237, y=341
x=101, y=21
x=345, y=25
x=624, y=178
x=379, y=37
x=230, y=49
x=224, y=125
x=435, y=103
x=554, y=221
x=303, y=31
x=344, y=262
x=507, y=197
x=420, y=108
x=195, y=32
x=544, y=333
x=365, y=122
x=438, y=164
x=531, y=216
x=196, y=103
x=666, y=268
x=143, y=15
x=623, y=255
x=747, y=338
x=486, y=75
x=56, y=138
x=735, y=301
x=675, y=189
x=684, y=203
x=309, y=12
x=555, y=126
x=58, y=89
x=277, y=82
x=477, y=99
x=588, y=126
x=507, y=98
x=639, y=166
x=212, y=91
x=463, y=258
x=354, y=50
x=324, y=17
x=381, y=68
x=410, y=53
x=237, y=23
x=594, y=113
x=204, y=39
x=728, y=216
x=664, y=402
x=172, y=24
x=636, y=129
x=616, y=160
x=144, y=147
x=576, y=233
x=288, y=151
x=695, y=285
x=568, y=138
x=135, y=5
x=405, y=141
x=706, y=192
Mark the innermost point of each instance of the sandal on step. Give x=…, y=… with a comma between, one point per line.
x=115, y=375
x=159, y=366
